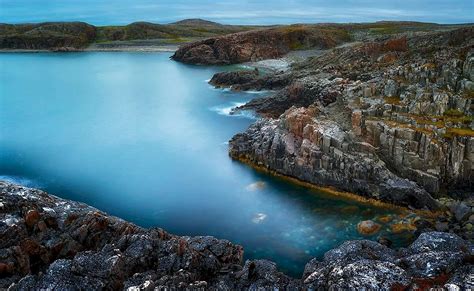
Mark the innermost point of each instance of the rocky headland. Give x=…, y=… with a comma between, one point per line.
x=50, y=243
x=391, y=119
x=259, y=44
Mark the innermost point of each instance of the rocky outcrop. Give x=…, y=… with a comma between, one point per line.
x=302, y=144
x=48, y=242
x=298, y=93
x=249, y=80
x=51, y=243
x=371, y=266
x=391, y=119
x=61, y=36
x=258, y=45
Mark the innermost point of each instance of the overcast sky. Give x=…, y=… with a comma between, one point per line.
x=103, y=12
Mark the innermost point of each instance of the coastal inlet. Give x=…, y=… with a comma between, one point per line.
x=145, y=138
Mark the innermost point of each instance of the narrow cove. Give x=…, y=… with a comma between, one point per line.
x=145, y=138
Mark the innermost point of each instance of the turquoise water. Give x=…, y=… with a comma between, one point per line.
x=145, y=138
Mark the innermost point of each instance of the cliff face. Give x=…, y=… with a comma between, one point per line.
x=258, y=44
x=51, y=35
x=319, y=151
x=391, y=119
x=51, y=243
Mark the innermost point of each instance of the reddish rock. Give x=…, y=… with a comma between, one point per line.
x=368, y=227
x=32, y=217
x=256, y=45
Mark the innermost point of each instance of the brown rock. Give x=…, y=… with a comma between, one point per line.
x=6, y=268
x=402, y=227
x=32, y=217
x=385, y=219
x=42, y=226
x=368, y=227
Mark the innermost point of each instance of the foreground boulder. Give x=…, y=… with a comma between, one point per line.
x=70, y=245
x=51, y=243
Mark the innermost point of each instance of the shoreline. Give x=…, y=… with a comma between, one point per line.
x=151, y=49
x=336, y=193
x=86, y=237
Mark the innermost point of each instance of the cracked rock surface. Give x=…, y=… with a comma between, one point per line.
x=52, y=243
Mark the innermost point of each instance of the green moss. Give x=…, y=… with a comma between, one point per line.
x=453, y=113
x=468, y=94
x=384, y=30
x=451, y=132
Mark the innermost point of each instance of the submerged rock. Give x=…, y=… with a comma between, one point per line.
x=256, y=186
x=259, y=218
x=368, y=227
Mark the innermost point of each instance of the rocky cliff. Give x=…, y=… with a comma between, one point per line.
x=391, y=119
x=50, y=243
x=259, y=44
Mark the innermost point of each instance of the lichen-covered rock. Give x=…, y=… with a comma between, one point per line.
x=462, y=279
x=319, y=151
x=401, y=131
x=436, y=253
x=368, y=227
x=83, y=248
x=368, y=274
x=369, y=265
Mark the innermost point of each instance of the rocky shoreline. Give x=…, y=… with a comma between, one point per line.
x=52, y=243
x=391, y=119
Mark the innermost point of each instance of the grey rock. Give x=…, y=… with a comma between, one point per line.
x=105, y=252
x=461, y=211
x=462, y=279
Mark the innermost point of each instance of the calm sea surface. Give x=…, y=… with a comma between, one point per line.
x=145, y=138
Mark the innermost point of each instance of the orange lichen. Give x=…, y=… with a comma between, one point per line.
x=385, y=219
x=392, y=100
x=402, y=227
x=450, y=132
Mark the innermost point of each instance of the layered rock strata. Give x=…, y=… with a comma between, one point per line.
x=52, y=243
x=391, y=119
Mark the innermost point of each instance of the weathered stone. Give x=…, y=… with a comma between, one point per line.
x=32, y=217
x=461, y=211
x=113, y=254
x=368, y=227
x=253, y=45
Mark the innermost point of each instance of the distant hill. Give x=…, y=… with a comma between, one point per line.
x=80, y=35
x=197, y=21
